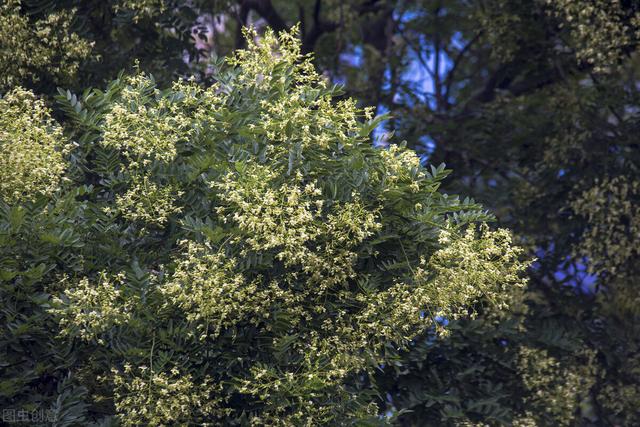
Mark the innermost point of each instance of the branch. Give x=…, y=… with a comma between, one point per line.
x=437, y=85
x=319, y=28
x=418, y=52
x=456, y=63
x=487, y=93
x=241, y=15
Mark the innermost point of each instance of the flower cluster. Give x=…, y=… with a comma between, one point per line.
x=141, y=8
x=207, y=288
x=556, y=391
x=617, y=29
x=88, y=309
x=480, y=264
x=145, y=201
x=32, y=148
x=143, y=130
x=613, y=213
x=144, y=395
x=293, y=220
x=401, y=165
x=47, y=45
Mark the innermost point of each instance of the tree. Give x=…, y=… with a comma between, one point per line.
x=535, y=106
x=236, y=253
x=536, y=111
x=532, y=102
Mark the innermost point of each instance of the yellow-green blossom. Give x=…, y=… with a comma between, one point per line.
x=144, y=396
x=616, y=29
x=141, y=8
x=32, y=148
x=556, y=391
x=477, y=265
x=613, y=213
x=90, y=308
x=145, y=130
x=149, y=202
x=31, y=48
x=292, y=219
x=206, y=286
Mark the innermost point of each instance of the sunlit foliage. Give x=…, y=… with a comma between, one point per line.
x=32, y=148
x=242, y=252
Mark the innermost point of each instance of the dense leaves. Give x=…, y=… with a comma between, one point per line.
x=239, y=253
x=533, y=103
